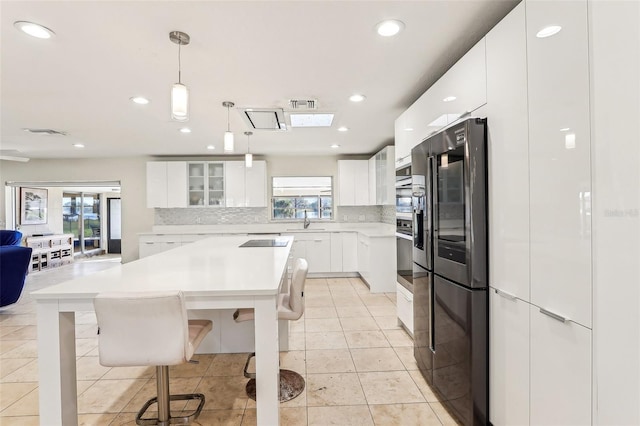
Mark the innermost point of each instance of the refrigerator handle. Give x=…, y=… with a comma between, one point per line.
x=554, y=315
x=506, y=295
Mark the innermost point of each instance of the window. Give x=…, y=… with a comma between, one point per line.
x=292, y=196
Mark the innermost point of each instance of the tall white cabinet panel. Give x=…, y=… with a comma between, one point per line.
x=234, y=194
x=156, y=184
x=256, y=185
x=176, y=184
x=559, y=148
x=616, y=218
x=509, y=360
x=361, y=183
x=373, y=190
x=508, y=144
x=560, y=371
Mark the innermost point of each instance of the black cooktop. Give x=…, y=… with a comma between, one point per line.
x=264, y=243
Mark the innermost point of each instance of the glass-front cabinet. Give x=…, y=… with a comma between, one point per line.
x=206, y=184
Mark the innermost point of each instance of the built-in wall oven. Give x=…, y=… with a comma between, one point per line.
x=404, y=245
x=403, y=192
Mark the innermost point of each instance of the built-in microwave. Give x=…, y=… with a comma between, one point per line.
x=403, y=192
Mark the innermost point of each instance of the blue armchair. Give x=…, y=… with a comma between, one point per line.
x=10, y=238
x=14, y=265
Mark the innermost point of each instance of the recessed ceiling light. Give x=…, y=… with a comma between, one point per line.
x=34, y=30
x=78, y=145
x=449, y=99
x=185, y=130
x=409, y=129
x=211, y=147
x=335, y=145
x=357, y=98
x=389, y=28
x=548, y=31
x=311, y=120
x=343, y=129
x=139, y=100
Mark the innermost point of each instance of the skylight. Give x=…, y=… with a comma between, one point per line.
x=311, y=120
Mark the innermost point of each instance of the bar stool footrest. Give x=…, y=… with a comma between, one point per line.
x=180, y=420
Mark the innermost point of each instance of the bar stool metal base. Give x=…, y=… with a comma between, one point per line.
x=291, y=385
x=181, y=420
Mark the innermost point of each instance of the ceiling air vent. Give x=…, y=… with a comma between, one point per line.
x=264, y=118
x=303, y=104
x=45, y=132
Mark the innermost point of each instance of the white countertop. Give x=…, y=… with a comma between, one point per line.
x=217, y=266
x=370, y=229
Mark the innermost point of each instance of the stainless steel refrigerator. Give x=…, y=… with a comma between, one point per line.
x=450, y=267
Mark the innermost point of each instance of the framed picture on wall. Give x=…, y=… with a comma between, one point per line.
x=33, y=206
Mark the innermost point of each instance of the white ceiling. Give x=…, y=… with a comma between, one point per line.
x=256, y=54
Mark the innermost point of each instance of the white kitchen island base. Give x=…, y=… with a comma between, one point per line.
x=212, y=276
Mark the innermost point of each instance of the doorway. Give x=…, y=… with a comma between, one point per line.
x=114, y=225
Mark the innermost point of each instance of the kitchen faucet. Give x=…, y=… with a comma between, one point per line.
x=307, y=222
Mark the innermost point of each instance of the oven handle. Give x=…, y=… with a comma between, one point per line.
x=404, y=237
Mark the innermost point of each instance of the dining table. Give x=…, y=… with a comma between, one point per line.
x=213, y=274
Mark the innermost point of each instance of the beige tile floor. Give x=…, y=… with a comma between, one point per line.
x=358, y=365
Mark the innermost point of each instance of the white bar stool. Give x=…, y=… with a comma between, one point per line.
x=291, y=308
x=150, y=328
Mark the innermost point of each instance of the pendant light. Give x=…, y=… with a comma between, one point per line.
x=248, y=157
x=179, y=92
x=228, y=135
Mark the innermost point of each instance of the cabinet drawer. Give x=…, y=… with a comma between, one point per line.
x=404, y=301
x=150, y=239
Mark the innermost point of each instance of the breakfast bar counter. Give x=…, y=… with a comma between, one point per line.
x=212, y=273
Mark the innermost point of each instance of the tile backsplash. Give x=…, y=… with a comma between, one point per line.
x=246, y=215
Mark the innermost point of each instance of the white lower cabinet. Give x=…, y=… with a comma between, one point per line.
x=336, y=252
x=315, y=248
x=509, y=359
x=539, y=365
x=349, y=252
x=404, y=302
x=560, y=371
x=363, y=257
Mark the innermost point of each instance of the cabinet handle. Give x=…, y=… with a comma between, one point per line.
x=405, y=297
x=317, y=241
x=506, y=295
x=149, y=242
x=554, y=315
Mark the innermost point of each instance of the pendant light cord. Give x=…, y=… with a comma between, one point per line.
x=179, y=64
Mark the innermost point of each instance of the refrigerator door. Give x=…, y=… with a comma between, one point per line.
x=423, y=320
x=460, y=358
x=460, y=199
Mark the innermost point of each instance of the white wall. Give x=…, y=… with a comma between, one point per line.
x=131, y=172
x=615, y=130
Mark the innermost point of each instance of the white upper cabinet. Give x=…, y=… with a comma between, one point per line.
x=234, y=191
x=256, y=185
x=245, y=186
x=508, y=153
x=166, y=184
x=559, y=149
x=461, y=90
x=156, y=184
x=353, y=182
x=384, y=177
x=206, y=184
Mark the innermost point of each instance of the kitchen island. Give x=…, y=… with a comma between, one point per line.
x=212, y=274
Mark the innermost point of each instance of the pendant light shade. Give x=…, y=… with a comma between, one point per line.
x=179, y=92
x=228, y=141
x=228, y=135
x=248, y=157
x=179, y=102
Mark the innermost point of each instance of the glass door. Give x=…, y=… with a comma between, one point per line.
x=71, y=223
x=81, y=217
x=216, y=184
